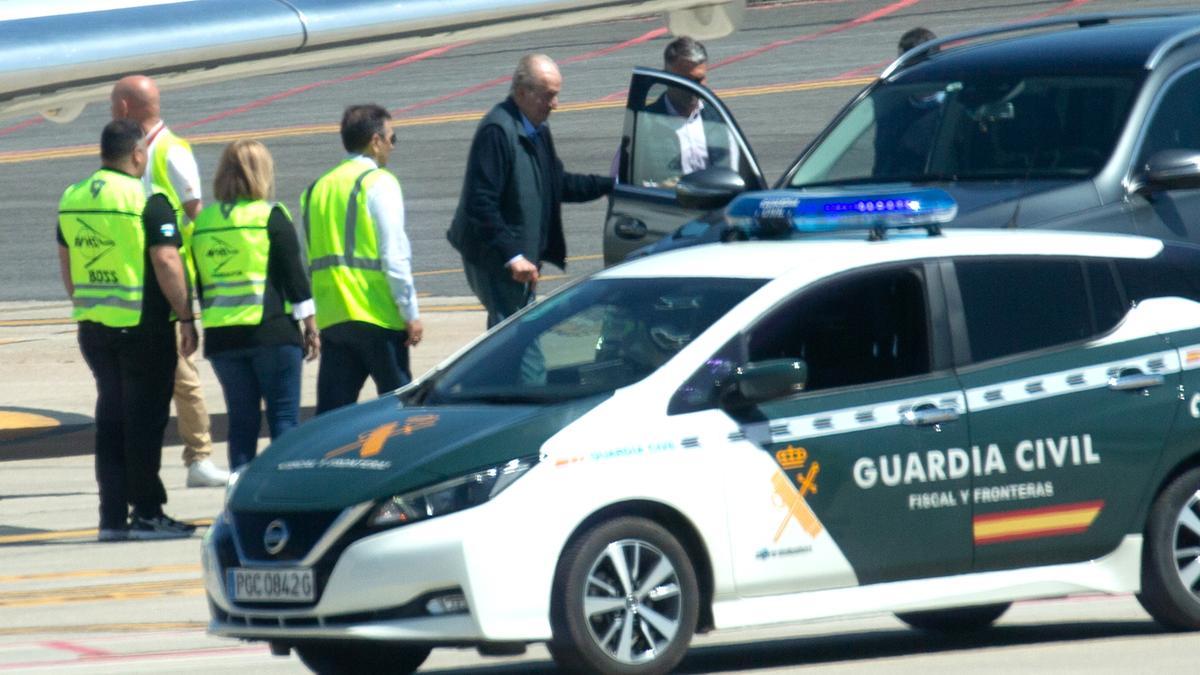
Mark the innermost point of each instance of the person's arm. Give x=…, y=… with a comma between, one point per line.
x=288, y=268
x=162, y=245
x=489, y=166
x=64, y=263
x=385, y=201
x=64, y=270
x=168, y=272
x=184, y=175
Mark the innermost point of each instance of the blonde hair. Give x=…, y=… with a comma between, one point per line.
x=246, y=171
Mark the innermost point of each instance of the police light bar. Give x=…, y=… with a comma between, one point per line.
x=780, y=214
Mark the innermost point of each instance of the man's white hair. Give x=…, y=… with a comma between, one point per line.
x=528, y=72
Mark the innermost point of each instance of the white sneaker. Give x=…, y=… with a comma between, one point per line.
x=204, y=473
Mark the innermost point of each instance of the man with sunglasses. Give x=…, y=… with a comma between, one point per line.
x=361, y=264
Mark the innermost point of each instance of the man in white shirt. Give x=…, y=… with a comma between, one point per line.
x=361, y=264
x=677, y=134
x=172, y=169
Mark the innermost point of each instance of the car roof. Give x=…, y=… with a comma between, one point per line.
x=1121, y=46
x=828, y=255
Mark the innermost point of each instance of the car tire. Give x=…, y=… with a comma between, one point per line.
x=625, y=600
x=361, y=658
x=1171, y=555
x=956, y=620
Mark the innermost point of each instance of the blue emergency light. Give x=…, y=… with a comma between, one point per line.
x=775, y=214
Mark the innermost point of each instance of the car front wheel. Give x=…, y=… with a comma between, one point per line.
x=1171, y=555
x=626, y=600
x=363, y=657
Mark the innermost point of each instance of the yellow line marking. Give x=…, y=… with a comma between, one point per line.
x=92, y=574
x=32, y=322
x=105, y=628
x=57, y=535
x=16, y=156
x=131, y=591
x=10, y=420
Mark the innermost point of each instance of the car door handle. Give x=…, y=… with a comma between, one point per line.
x=1134, y=380
x=927, y=415
x=629, y=228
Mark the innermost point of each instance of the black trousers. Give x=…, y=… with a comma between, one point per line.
x=351, y=352
x=135, y=375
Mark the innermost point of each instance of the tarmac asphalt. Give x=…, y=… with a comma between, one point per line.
x=47, y=484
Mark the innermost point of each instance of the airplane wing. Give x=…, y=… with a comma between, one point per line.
x=58, y=55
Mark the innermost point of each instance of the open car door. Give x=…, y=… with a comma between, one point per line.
x=673, y=127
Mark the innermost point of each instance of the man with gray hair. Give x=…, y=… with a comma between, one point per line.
x=509, y=217
x=681, y=135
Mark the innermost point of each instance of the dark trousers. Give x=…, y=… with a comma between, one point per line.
x=353, y=351
x=249, y=378
x=135, y=375
x=496, y=290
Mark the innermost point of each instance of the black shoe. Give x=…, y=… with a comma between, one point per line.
x=161, y=526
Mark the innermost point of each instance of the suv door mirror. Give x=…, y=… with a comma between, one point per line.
x=768, y=380
x=1173, y=169
x=709, y=189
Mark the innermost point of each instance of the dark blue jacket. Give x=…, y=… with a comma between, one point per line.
x=502, y=210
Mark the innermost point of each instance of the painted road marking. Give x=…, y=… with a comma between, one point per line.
x=12, y=419
x=67, y=535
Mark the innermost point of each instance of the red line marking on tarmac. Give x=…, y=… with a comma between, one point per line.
x=495, y=82
x=414, y=58
x=846, y=25
x=144, y=656
x=31, y=122
x=878, y=67
x=82, y=650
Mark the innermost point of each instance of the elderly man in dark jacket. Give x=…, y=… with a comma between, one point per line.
x=509, y=217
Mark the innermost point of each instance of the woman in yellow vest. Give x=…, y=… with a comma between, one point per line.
x=254, y=292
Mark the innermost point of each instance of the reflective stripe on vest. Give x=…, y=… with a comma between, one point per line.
x=101, y=221
x=348, y=280
x=231, y=248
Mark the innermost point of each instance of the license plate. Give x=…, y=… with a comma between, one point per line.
x=285, y=585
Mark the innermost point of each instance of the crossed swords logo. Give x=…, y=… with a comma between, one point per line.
x=791, y=497
x=370, y=443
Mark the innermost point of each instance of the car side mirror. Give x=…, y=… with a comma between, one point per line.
x=709, y=189
x=1173, y=169
x=767, y=380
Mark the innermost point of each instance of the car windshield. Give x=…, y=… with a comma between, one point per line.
x=591, y=338
x=987, y=128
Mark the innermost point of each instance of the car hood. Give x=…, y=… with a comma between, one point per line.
x=381, y=448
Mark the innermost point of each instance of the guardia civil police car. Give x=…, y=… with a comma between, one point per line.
x=749, y=433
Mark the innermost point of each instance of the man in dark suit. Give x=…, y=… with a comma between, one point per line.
x=509, y=217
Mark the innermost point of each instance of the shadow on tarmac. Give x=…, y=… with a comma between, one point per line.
x=844, y=648
x=76, y=436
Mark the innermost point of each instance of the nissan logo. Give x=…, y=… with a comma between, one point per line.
x=275, y=537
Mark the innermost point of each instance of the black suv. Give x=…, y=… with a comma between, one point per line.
x=1090, y=122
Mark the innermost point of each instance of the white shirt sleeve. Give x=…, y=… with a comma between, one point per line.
x=385, y=201
x=183, y=174
x=304, y=309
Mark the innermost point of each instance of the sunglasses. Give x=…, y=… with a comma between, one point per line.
x=390, y=139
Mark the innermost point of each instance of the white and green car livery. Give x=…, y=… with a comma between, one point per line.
x=743, y=434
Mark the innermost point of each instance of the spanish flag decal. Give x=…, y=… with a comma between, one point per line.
x=1048, y=521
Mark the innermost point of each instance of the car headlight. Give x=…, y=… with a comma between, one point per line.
x=460, y=493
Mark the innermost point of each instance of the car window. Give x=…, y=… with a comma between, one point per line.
x=592, y=338
x=675, y=133
x=857, y=329
x=1021, y=305
x=1175, y=122
x=1175, y=272
x=983, y=127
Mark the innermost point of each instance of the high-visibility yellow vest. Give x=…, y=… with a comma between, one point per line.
x=160, y=176
x=231, y=248
x=348, y=280
x=101, y=221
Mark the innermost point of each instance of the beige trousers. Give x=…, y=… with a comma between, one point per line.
x=194, y=426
